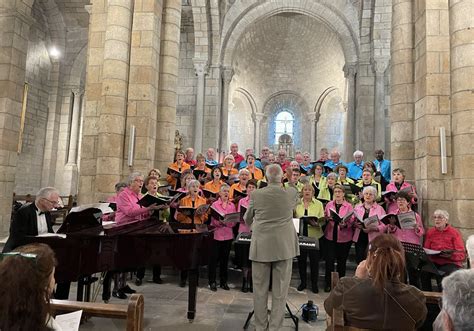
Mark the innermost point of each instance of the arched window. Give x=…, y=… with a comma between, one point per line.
x=284, y=123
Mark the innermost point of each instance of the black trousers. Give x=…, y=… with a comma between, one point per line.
x=336, y=252
x=361, y=247
x=219, y=254
x=427, y=276
x=313, y=265
x=156, y=272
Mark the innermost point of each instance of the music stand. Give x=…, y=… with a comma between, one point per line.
x=293, y=318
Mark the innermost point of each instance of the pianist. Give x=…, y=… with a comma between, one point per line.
x=128, y=210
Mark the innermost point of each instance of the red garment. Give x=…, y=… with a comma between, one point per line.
x=237, y=158
x=449, y=238
x=190, y=162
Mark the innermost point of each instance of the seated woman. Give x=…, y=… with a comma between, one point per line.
x=368, y=180
x=27, y=278
x=363, y=235
x=326, y=192
x=223, y=237
x=410, y=236
x=244, y=176
x=192, y=199
x=445, y=238
x=128, y=210
x=398, y=183
x=255, y=173
x=338, y=235
x=309, y=206
x=228, y=170
x=175, y=169
x=376, y=297
x=242, y=250
x=317, y=179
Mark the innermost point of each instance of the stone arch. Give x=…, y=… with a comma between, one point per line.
x=78, y=69
x=55, y=22
x=249, y=98
x=321, y=98
x=297, y=106
x=331, y=119
x=240, y=18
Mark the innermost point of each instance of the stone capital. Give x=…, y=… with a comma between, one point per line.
x=350, y=69
x=313, y=116
x=200, y=67
x=379, y=66
x=258, y=117
x=77, y=91
x=88, y=8
x=227, y=74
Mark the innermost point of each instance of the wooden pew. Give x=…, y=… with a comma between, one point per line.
x=132, y=312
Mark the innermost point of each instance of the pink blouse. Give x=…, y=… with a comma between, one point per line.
x=244, y=203
x=223, y=230
x=343, y=234
x=391, y=206
x=128, y=209
x=376, y=209
x=410, y=235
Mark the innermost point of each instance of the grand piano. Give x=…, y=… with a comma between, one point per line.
x=90, y=247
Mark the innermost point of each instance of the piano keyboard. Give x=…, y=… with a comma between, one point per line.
x=304, y=242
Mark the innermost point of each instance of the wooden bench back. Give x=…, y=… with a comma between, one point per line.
x=132, y=312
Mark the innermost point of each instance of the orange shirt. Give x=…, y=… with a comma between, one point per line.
x=170, y=179
x=256, y=174
x=234, y=187
x=230, y=172
x=187, y=202
x=211, y=186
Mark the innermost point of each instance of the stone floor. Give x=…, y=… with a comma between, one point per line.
x=166, y=305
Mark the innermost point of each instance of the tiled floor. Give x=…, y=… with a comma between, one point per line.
x=166, y=305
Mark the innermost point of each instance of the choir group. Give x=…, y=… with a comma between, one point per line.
x=339, y=204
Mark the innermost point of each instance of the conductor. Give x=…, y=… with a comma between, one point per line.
x=272, y=249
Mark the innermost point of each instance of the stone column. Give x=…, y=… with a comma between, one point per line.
x=200, y=66
x=402, y=89
x=168, y=81
x=14, y=32
x=74, y=136
x=257, y=120
x=313, y=121
x=350, y=71
x=461, y=28
x=227, y=74
x=379, y=67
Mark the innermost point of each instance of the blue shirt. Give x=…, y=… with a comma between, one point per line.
x=355, y=170
x=243, y=164
x=211, y=163
x=384, y=167
x=306, y=168
x=332, y=165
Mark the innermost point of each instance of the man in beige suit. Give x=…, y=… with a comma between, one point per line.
x=273, y=247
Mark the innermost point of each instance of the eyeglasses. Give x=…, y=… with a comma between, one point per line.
x=139, y=180
x=52, y=202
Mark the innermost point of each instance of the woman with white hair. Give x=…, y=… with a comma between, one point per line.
x=241, y=186
x=447, y=241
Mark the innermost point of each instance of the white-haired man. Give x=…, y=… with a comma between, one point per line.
x=274, y=245
x=189, y=156
x=334, y=161
x=33, y=219
x=355, y=168
x=211, y=157
x=457, y=312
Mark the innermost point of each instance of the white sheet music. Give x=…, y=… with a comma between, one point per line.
x=69, y=322
x=60, y=235
x=104, y=207
x=296, y=224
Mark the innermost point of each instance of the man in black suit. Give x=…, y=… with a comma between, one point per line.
x=32, y=219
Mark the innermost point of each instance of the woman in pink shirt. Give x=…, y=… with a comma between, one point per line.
x=396, y=185
x=364, y=235
x=128, y=209
x=338, y=236
x=410, y=236
x=222, y=242
x=242, y=250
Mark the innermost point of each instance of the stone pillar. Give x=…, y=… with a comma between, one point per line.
x=402, y=106
x=257, y=120
x=313, y=121
x=379, y=67
x=14, y=32
x=169, y=58
x=74, y=135
x=461, y=28
x=200, y=66
x=350, y=71
x=227, y=74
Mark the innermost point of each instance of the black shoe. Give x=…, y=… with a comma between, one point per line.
x=224, y=286
x=182, y=283
x=138, y=282
x=128, y=290
x=213, y=287
x=315, y=289
x=119, y=294
x=327, y=289
x=158, y=280
x=245, y=288
x=301, y=287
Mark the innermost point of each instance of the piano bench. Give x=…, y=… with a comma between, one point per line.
x=132, y=312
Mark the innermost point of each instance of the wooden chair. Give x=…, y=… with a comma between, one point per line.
x=132, y=312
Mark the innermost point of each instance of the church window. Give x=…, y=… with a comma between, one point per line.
x=284, y=123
